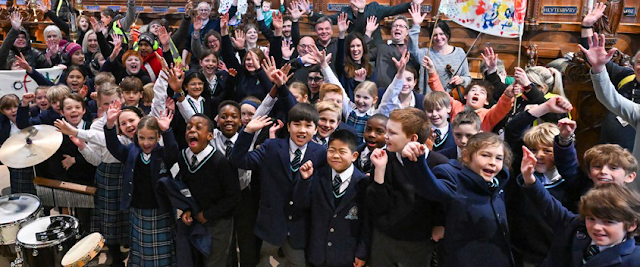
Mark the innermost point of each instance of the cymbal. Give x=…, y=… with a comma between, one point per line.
x=30, y=146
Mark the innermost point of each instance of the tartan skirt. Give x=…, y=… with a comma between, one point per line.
x=22, y=181
x=107, y=218
x=152, y=240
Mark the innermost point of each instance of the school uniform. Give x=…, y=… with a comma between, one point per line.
x=416, y=100
x=443, y=138
x=340, y=229
x=402, y=219
x=451, y=152
x=185, y=110
x=152, y=241
x=571, y=241
x=213, y=182
x=363, y=162
x=21, y=179
x=476, y=228
x=24, y=120
x=280, y=223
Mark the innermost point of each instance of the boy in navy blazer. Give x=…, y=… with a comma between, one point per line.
x=464, y=126
x=602, y=235
x=340, y=232
x=282, y=222
x=437, y=106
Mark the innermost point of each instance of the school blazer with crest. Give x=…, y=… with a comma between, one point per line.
x=571, y=239
x=129, y=154
x=346, y=226
x=279, y=215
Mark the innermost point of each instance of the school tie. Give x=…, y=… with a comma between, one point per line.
x=591, y=252
x=336, y=185
x=438, y=136
x=366, y=163
x=494, y=183
x=321, y=141
x=229, y=147
x=194, y=161
x=297, y=160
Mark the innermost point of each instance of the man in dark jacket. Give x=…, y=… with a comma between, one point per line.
x=17, y=41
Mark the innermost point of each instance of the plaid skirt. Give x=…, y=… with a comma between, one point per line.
x=107, y=217
x=152, y=240
x=22, y=181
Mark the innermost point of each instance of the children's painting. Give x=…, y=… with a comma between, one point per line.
x=504, y=18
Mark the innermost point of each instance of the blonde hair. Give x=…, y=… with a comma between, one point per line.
x=546, y=79
x=58, y=92
x=147, y=92
x=541, y=135
x=612, y=201
x=610, y=154
x=109, y=89
x=323, y=106
x=369, y=86
x=104, y=77
x=300, y=87
x=329, y=88
x=436, y=99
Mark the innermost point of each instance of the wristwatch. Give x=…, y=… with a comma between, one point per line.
x=196, y=34
x=178, y=95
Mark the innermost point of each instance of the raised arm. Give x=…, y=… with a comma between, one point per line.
x=390, y=100
x=130, y=16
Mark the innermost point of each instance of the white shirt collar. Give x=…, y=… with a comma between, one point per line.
x=219, y=140
x=459, y=152
x=370, y=112
x=196, y=104
x=200, y=156
x=293, y=147
x=443, y=130
x=345, y=177
x=14, y=128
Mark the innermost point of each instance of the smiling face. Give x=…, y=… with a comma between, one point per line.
x=249, y=63
x=364, y=101
x=145, y=49
x=128, y=123
x=72, y=111
x=247, y=111
x=75, y=80
x=154, y=28
x=41, y=99
x=486, y=161
x=605, y=232
x=252, y=36
x=11, y=113
x=399, y=31
x=340, y=156
x=609, y=173
x=438, y=116
x=439, y=38
x=213, y=43
x=209, y=65
x=147, y=139
x=77, y=58
x=132, y=65
x=195, y=86
x=286, y=28
x=105, y=100
x=324, y=31
x=83, y=23
x=198, y=134
x=374, y=134
x=477, y=97
x=229, y=120
x=204, y=10
x=305, y=45
x=333, y=97
x=328, y=123
x=21, y=41
x=105, y=19
x=314, y=81
x=356, y=49
x=52, y=36
x=544, y=155
x=301, y=132
x=132, y=98
x=395, y=138
x=92, y=43
x=409, y=83
x=462, y=133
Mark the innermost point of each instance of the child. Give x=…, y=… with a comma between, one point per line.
x=21, y=179
x=248, y=108
x=147, y=94
x=266, y=12
x=477, y=97
x=402, y=220
x=281, y=224
x=329, y=119
x=41, y=103
x=150, y=214
x=437, y=106
x=55, y=94
x=602, y=235
x=374, y=134
x=339, y=233
x=132, y=93
x=476, y=222
x=466, y=124
x=213, y=182
x=300, y=92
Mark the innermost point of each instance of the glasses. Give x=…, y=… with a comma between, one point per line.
x=203, y=10
x=400, y=26
x=306, y=46
x=315, y=79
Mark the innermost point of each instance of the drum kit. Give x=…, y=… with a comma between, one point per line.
x=33, y=240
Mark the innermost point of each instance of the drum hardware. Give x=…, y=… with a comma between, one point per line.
x=30, y=146
x=15, y=211
x=57, y=193
x=46, y=253
x=84, y=252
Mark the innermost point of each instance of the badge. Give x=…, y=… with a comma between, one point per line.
x=353, y=214
x=622, y=121
x=580, y=235
x=185, y=192
x=163, y=169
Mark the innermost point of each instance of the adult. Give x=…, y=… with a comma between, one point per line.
x=202, y=24
x=357, y=67
x=383, y=54
x=18, y=42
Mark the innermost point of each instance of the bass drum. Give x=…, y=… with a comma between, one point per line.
x=43, y=242
x=16, y=210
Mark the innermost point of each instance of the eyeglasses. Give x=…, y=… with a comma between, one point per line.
x=203, y=10
x=315, y=79
x=306, y=46
x=400, y=26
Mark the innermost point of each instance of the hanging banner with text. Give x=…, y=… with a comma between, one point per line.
x=19, y=83
x=504, y=18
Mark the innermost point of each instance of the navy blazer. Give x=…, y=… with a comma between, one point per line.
x=24, y=119
x=450, y=153
x=418, y=96
x=5, y=128
x=129, y=154
x=571, y=239
x=279, y=215
x=449, y=141
x=476, y=228
x=346, y=227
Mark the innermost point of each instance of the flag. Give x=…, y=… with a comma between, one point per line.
x=19, y=83
x=504, y=18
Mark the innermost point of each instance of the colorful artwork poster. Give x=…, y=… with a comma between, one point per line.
x=504, y=18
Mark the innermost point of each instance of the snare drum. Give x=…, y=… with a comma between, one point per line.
x=84, y=251
x=44, y=241
x=15, y=210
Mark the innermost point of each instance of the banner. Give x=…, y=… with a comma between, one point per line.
x=504, y=18
x=19, y=83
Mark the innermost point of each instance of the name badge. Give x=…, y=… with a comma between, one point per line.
x=622, y=121
x=185, y=192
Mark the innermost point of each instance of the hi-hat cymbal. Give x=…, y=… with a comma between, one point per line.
x=30, y=146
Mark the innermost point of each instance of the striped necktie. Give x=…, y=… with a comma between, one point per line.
x=297, y=161
x=336, y=185
x=228, y=148
x=591, y=252
x=438, y=136
x=194, y=161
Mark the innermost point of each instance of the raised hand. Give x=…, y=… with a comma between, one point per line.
x=379, y=158
x=27, y=99
x=521, y=77
x=320, y=57
x=414, y=11
x=596, y=54
x=558, y=105
x=116, y=40
x=567, y=127
x=222, y=66
x=295, y=10
x=269, y=66
x=232, y=72
x=277, y=23
x=164, y=37
x=427, y=63
x=304, y=6
x=360, y=74
x=287, y=49
x=40, y=6
x=224, y=24
x=258, y=123
x=401, y=63
x=490, y=59
x=16, y=20
x=274, y=129
x=81, y=144
x=306, y=170
x=96, y=25
x=23, y=63
x=343, y=24
x=113, y=112
x=372, y=25
x=115, y=52
x=528, y=166
x=359, y=4
x=238, y=40
x=413, y=150
x=509, y=91
x=176, y=78
x=594, y=14
x=164, y=122
x=188, y=9
x=197, y=23
x=83, y=91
